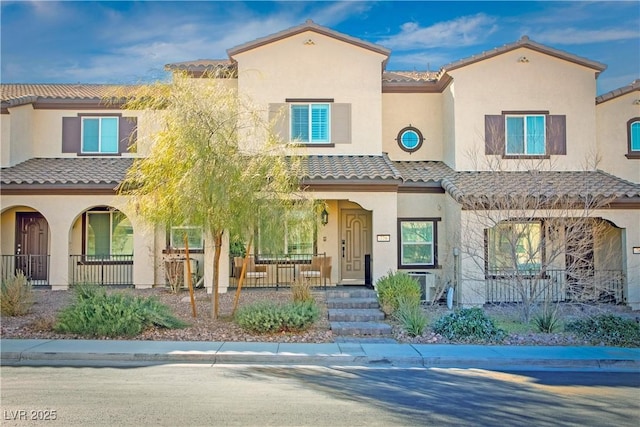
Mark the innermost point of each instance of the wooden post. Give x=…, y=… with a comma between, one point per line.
x=241, y=278
x=189, y=281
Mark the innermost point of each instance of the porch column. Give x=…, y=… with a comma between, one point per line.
x=144, y=260
x=59, y=251
x=632, y=239
x=209, y=254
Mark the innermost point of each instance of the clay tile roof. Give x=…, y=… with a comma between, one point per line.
x=409, y=76
x=525, y=41
x=88, y=171
x=423, y=171
x=309, y=25
x=633, y=86
x=18, y=94
x=349, y=167
x=544, y=184
x=202, y=65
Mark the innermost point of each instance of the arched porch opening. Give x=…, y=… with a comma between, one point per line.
x=101, y=247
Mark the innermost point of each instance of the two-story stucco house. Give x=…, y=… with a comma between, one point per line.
x=407, y=163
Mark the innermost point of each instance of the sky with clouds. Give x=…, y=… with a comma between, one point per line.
x=130, y=42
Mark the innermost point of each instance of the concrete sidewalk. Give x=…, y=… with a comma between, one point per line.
x=17, y=352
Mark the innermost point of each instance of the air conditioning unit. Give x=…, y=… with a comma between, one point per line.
x=426, y=281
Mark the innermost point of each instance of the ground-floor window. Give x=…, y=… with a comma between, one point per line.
x=291, y=233
x=515, y=246
x=418, y=241
x=108, y=232
x=194, y=235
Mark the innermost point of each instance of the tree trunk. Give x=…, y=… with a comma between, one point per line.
x=216, y=275
x=241, y=278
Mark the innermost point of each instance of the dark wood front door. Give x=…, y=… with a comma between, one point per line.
x=32, y=237
x=355, y=244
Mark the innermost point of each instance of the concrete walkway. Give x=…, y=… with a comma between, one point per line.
x=107, y=352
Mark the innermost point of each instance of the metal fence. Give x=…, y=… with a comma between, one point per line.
x=507, y=286
x=275, y=271
x=34, y=267
x=102, y=270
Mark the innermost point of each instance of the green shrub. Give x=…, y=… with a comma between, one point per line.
x=268, y=317
x=547, y=321
x=468, y=325
x=607, y=329
x=411, y=317
x=16, y=296
x=98, y=314
x=395, y=286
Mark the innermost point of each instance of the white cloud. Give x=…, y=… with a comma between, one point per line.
x=573, y=36
x=462, y=31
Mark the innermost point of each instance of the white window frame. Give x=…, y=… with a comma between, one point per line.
x=509, y=250
x=87, y=226
x=100, y=148
x=177, y=242
x=527, y=144
x=310, y=122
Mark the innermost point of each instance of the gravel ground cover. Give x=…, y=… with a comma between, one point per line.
x=38, y=323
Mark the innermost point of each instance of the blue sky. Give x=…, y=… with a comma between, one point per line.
x=130, y=42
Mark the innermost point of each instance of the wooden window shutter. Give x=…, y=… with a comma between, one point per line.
x=71, y=128
x=557, y=134
x=127, y=134
x=494, y=134
x=279, y=118
x=341, y=123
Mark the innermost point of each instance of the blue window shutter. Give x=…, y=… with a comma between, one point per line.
x=300, y=123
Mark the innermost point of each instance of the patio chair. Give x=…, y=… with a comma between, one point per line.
x=256, y=272
x=320, y=269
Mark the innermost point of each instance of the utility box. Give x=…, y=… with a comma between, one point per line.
x=427, y=284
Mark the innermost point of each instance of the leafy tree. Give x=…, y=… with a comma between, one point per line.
x=212, y=161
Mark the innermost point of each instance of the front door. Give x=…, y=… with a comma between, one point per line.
x=32, y=235
x=355, y=244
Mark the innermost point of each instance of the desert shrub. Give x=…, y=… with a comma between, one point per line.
x=468, y=325
x=301, y=290
x=268, y=317
x=16, y=296
x=547, y=321
x=395, y=286
x=411, y=317
x=96, y=313
x=607, y=329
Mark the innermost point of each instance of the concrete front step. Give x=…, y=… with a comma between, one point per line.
x=355, y=315
x=357, y=303
x=351, y=293
x=360, y=328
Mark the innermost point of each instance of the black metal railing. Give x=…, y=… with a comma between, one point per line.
x=113, y=270
x=504, y=285
x=275, y=271
x=34, y=267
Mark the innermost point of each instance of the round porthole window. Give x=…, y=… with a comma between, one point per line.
x=410, y=139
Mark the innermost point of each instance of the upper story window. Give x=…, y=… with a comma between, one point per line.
x=518, y=134
x=525, y=135
x=100, y=135
x=633, y=136
x=410, y=139
x=310, y=123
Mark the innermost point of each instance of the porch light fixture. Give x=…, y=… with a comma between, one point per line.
x=324, y=216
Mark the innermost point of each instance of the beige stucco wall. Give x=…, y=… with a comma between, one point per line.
x=449, y=126
x=5, y=134
x=420, y=110
x=17, y=139
x=329, y=68
x=612, y=135
x=62, y=214
x=502, y=83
